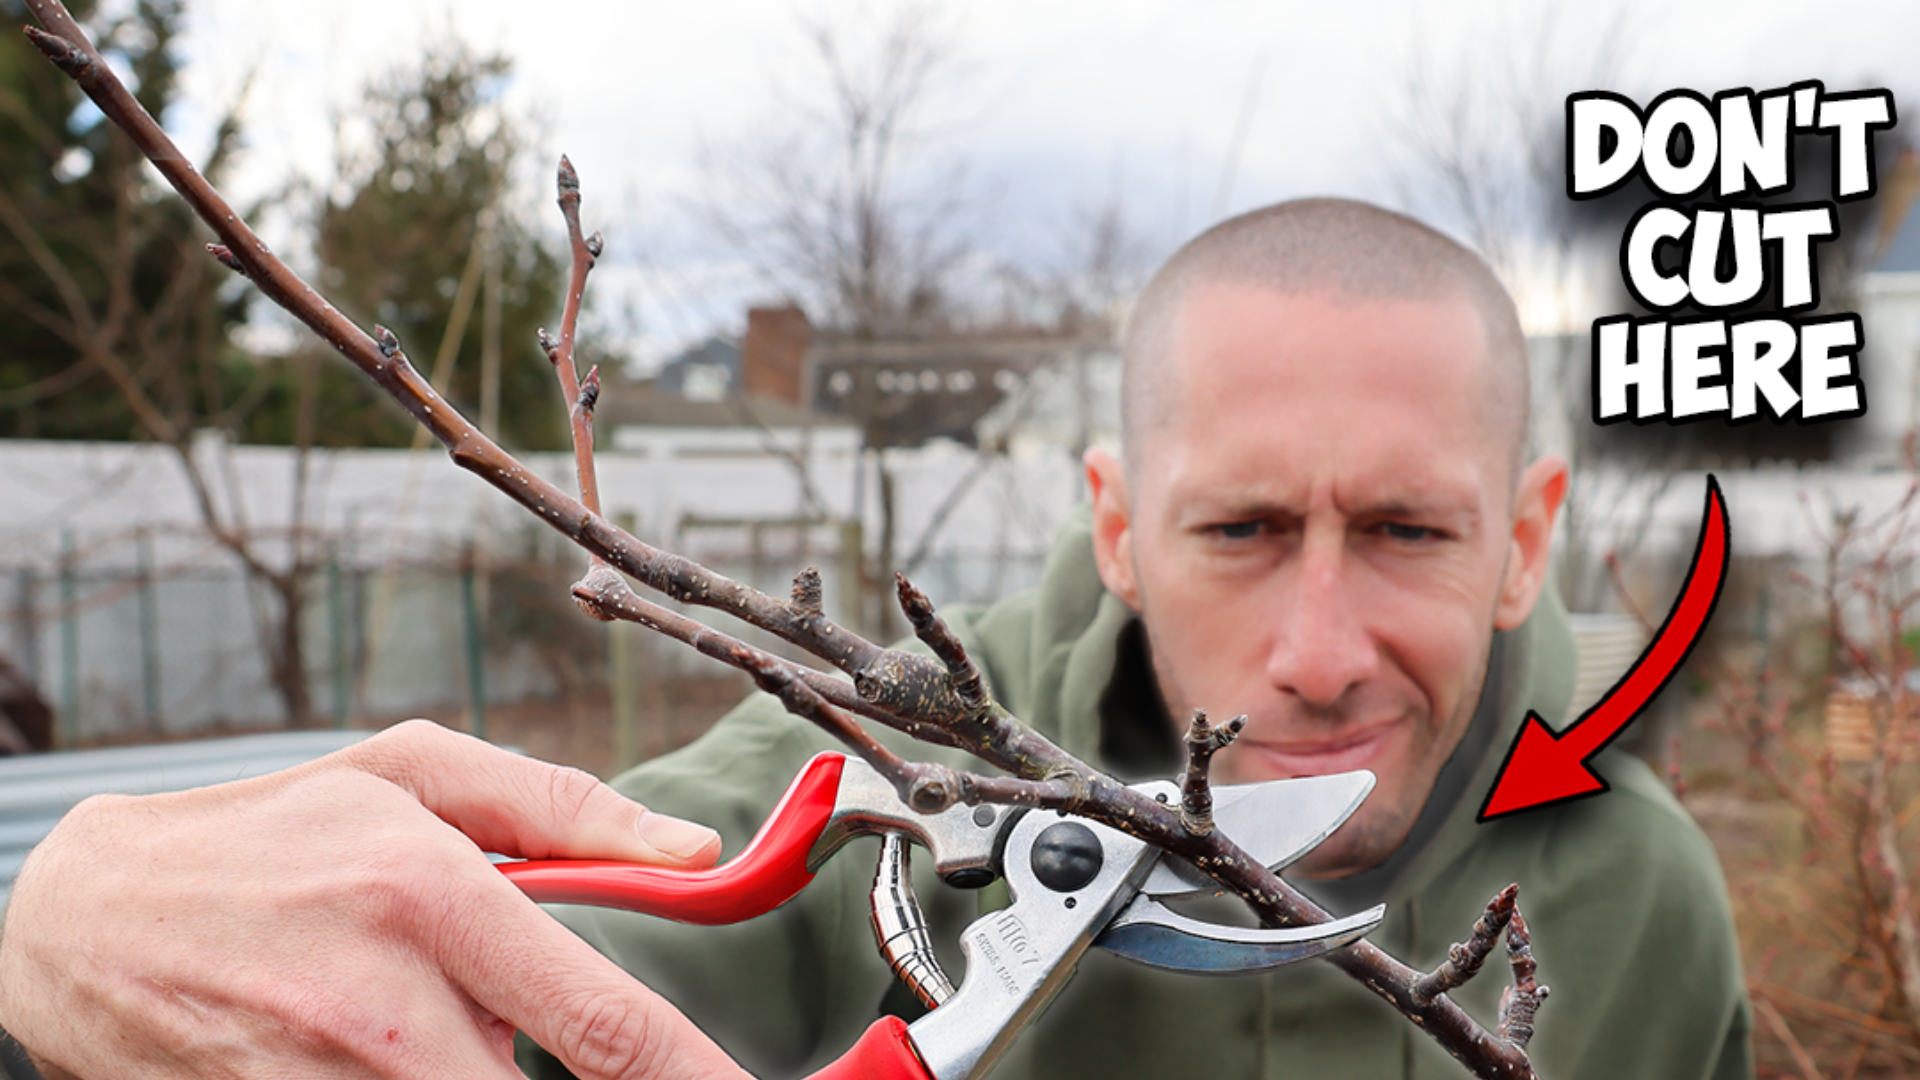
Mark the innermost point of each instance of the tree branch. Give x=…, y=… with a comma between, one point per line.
x=1196, y=792
x=586, y=251
x=1519, y=1002
x=1464, y=958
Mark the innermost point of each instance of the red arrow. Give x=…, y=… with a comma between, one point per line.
x=1543, y=768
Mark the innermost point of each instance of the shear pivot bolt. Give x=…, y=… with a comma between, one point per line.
x=1066, y=856
x=970, y=877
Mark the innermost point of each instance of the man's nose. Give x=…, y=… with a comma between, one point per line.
x=1322, y=646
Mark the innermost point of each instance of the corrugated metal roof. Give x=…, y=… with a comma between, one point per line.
x=36, y=791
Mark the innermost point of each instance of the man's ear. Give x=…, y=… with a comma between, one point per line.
x=1112, y=525
x=1536, y=502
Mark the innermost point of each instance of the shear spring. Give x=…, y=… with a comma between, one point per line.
x=900, y=929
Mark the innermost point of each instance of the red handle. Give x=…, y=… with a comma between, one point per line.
x=771, y=870
x=885, y=1052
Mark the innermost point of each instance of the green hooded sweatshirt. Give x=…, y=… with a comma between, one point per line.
x=1623, y=894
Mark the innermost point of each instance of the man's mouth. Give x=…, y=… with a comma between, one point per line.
x=1283, y=758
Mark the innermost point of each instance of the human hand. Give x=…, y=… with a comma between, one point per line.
x=338, y=919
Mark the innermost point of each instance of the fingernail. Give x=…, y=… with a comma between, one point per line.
x=674, y=837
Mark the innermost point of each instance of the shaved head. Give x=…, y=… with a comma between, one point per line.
x=1347, y=249
x=1323, y=517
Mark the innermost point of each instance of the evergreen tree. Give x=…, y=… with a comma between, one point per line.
x=397, y=234
x=104, y=289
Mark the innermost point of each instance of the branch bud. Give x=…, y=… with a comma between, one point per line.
x=548, y=343
x=806, y=594
x=598, y=593
x=935, y=789
x=389, y=344
x=590, y=390
x=767, y=674
x=75, y=62
x=227, y=259
x=963, y=675
x=596, y=244
x=913, y=603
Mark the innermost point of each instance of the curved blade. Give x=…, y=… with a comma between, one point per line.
x=1275, y=822
x=1148, y=933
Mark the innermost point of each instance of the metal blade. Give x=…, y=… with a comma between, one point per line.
x=1150, y=934
x=1275, y=822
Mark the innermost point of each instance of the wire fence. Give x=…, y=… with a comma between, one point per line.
x=354, y=586
x=127, y=646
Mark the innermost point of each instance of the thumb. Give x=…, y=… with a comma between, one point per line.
x=518, y=806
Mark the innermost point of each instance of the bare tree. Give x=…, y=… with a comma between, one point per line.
x=1830, y=738
x=1485, y=144
x=1107, y=262
x=940, y=699
x=162, y=354
x=843, y=201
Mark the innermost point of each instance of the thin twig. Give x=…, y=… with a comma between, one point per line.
x=1465, y=958
x=1519, y=1002
x=1778, y=1025
x=1893, y=1038
x=932, y=630
x=586, y=252
x=1196, y=792
x=579, y=398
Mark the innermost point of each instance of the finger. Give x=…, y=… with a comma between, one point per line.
x=521, y=965
x=518, y=806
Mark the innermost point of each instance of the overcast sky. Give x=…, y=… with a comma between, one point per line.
x=1056, y=105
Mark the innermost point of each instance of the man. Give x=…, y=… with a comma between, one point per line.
x=1323, y=520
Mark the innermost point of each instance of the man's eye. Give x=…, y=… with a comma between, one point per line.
x=1237, y=530
x=1400, y=530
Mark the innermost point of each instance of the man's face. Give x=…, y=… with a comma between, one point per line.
x=1319, y=533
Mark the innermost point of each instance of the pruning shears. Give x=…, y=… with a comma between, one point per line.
x=1074, y=883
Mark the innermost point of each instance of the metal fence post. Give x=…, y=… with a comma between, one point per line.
x=852, y=572
x=476, y=648
x=26, y=623
x=69, y=644
x=622, y=674
x=149, y=628
x=337, y=638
